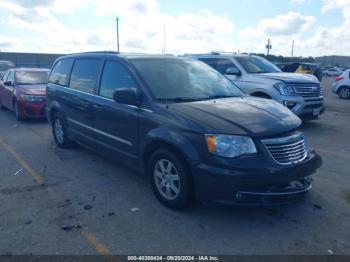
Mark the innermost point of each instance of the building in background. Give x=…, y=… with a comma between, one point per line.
x=339, y=61
x=30, y=59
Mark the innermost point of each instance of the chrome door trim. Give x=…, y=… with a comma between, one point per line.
x=118, y=139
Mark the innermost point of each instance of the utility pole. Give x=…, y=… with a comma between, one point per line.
x=293, y=48
x=268, y=46
x=117, y=21
x=164, y=40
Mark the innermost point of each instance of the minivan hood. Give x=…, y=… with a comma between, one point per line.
x=255, y=117
x=290, y=77
x=32, y=89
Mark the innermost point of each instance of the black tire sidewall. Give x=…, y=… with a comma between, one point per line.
x=17, y=113
x=186, y=189
x=67, y=143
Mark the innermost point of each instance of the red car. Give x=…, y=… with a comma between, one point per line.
x=24, y=92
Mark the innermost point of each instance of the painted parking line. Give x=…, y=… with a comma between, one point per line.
x=101, y=248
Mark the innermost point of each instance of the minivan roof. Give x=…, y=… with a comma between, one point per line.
x=122, y=55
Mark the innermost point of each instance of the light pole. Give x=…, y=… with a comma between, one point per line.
x=293, y=48
x=268, y=46
x=117, y=21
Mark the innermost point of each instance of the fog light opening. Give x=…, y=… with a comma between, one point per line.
x=289, y=104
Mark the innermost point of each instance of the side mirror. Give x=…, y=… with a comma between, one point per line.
x=127, y=96
x=232, y=71
x=8, y=83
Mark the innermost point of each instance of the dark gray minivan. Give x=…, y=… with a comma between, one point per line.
x=184, y=125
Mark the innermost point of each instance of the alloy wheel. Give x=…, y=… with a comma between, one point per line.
x=167, y=179
x=58, y=129
x=344, y=92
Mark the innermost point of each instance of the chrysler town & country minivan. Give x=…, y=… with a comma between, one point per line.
x=184, y=125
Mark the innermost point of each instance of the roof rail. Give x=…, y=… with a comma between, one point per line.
x=97, y=52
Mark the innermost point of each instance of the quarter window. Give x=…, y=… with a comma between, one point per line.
x=84, y=75
x=60, y=73
x=114, y=76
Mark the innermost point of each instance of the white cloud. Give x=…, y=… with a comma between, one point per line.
x=142, y=22
x=286, y=24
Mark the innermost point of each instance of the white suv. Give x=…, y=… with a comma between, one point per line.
x=256, y=76
x=341, y=86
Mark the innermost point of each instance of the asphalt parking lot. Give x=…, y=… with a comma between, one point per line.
x=56, y=201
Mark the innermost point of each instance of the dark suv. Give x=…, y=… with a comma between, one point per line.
x=187, y=127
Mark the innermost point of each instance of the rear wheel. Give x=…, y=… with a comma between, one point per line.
x=1, y=106
x=170, y=179
x=17, y=112
x=59, y=130
x=344, y=92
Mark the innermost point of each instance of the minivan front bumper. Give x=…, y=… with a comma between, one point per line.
x=277, y=185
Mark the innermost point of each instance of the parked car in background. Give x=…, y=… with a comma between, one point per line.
x=23, y=91
x=341, y=85
x=303, y=68
x=334, y=71
x=256, y=76
x=4, y=66
x=187, y=127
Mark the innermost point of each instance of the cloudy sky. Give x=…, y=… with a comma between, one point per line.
x=319, y=27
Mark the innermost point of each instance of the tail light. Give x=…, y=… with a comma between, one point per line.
x=339, y=78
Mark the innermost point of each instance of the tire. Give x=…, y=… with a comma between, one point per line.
x=262, y=95
x=2, y=108
x=16, y=110
x=59, y=130
x=170, y=179
x=344, y=92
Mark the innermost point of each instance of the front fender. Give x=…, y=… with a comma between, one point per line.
x=178, y=140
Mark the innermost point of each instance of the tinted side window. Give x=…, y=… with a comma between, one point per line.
x=114, y=76
x=84, y=75
x=219, y=64
x=60, y=73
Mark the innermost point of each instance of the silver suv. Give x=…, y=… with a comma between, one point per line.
x=256, y=76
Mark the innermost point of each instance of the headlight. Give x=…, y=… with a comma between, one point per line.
x=284, y=89
x=230, y=146
x=31, y=98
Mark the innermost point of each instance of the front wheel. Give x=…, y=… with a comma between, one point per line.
x=170, y=179
x=59, y=130
x=17, y=112
x=344, y=92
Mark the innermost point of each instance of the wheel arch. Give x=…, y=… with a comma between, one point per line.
x=176, y=143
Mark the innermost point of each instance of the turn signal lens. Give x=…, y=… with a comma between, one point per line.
x=211, y=143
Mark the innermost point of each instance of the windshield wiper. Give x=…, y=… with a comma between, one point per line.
x=180, y=99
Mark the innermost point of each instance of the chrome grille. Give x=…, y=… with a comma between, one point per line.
x=287, y=150
x=307, y=90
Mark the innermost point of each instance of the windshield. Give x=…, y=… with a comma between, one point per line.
x=184, y=80
x=32, y=77
x=5, y=66
x=256, y=65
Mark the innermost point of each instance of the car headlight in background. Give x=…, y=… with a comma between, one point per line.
x=230, y=146
x=284, y=89
x=32, y=98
